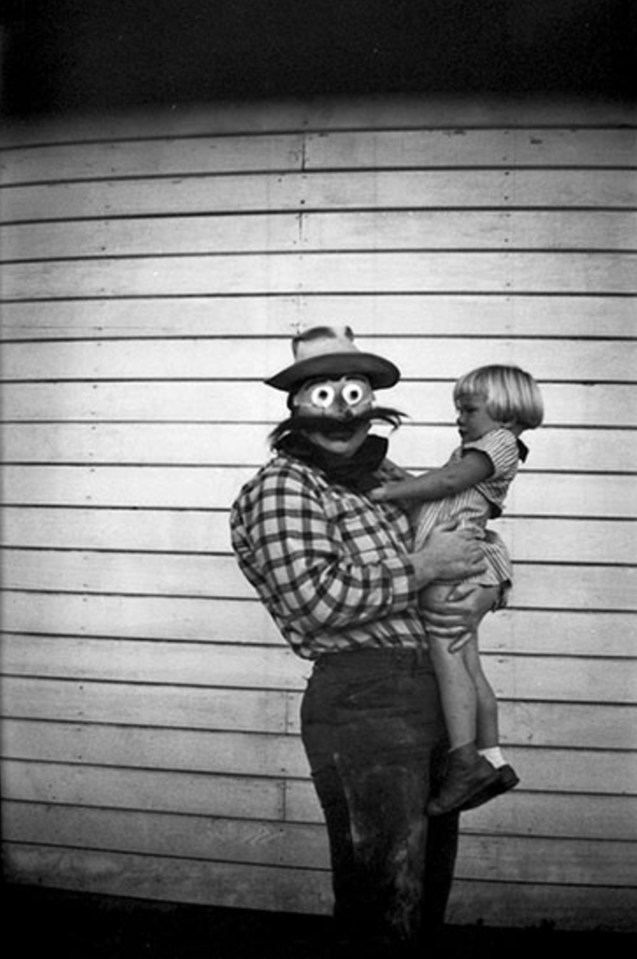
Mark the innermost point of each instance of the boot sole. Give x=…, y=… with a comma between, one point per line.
x=435, y=809
x=507, y=779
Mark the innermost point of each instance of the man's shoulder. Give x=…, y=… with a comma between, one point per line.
x=278, y=471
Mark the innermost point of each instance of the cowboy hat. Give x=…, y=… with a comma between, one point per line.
x=330, y=351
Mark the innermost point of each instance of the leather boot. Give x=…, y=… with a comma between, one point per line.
x=507, y=779
x=467, y=774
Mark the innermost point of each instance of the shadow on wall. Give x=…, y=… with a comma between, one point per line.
x=62, y=55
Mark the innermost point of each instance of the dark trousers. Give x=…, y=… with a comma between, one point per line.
x=374, y=736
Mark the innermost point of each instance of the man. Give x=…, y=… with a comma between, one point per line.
x=338, y=575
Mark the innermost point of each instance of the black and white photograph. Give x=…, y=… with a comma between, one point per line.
x=318, y=364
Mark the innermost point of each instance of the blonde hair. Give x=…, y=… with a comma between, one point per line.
x=511, y=394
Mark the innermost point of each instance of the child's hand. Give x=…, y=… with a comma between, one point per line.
x=387, y=492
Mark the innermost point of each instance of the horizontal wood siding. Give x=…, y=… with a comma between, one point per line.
x=154, y=268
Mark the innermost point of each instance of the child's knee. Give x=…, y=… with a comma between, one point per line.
x=440, y=648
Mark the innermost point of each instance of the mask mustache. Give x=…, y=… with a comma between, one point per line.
x=331, y=425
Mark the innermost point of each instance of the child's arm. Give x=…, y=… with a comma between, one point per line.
x=474, y=467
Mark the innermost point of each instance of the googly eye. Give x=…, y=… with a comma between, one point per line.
x=353, y=393
x=322, y=396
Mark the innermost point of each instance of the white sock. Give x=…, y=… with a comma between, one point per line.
x=494, y=755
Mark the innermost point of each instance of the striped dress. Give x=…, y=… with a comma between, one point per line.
x=474, y=507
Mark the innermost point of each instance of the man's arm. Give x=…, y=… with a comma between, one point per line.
x=449, y=554
x=319, y=584
x=457, y=618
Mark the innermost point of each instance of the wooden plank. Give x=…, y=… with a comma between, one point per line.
x=361, y=189
x=494, y=858
x=196, y=487
x=571, y=360
x=565, y=771
x=174, y=750
x=165, y=574
x=166, y=157
x=161, y=834
x=584, y=587
x=558, y=774
x=172, y=880
x=543, y=632
x=134, y=617
x=462, y=314
x=571, y=907
x=577, y=725
x=554, y=861
x=205, y=444
x=291, y=232
x=144, y=196
x=215, y=665
x=193, y=574
x=200, y=531
x=287, y=273
x=567, y=908
x=236, y=621
x=558, y=230
x=140, y=237
x=416, y=149
x=600, y=541
x=256, y=710
x=567, y=404
x=199, y=487
x=193, y=531
x=405, y=149
x=571, y=679
x=282, y=756
x=143, y=789
x=535, y=814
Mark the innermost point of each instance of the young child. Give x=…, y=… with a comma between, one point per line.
x=495, y=405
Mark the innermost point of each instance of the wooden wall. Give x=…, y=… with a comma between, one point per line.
x=155, y=267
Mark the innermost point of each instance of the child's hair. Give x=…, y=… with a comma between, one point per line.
x=511, y=394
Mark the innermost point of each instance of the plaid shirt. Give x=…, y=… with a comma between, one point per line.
x=329, y=564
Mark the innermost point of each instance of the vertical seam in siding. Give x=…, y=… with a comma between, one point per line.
x=301, y=223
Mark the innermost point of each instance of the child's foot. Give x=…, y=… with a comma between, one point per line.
x=467, y=775
x=507, y=779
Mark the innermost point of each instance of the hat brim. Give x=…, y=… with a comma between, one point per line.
x=381, y=373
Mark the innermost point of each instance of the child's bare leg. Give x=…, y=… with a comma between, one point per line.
x=487, y=731
x=457, y=692
x=488, y=735
x=467, y=772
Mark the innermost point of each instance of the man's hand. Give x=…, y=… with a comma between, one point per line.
x=449, y=554
x=456, y=617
